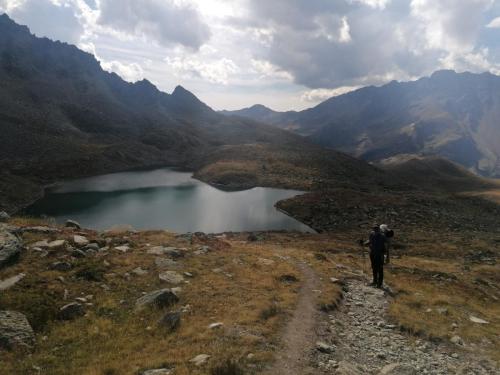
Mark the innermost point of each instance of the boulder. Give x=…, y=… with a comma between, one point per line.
x=139, y=271
x=158, y=371
x=457, y=340
x=171, y=321
x=265, y=262
x=10, y=249
x=61, y=266
x=171, y=277
x=80, y=240
x=4, y=216
x=398, y=369
x=215, y=325
x=77, y=253
x=15, y=331
x=71, y=311
x=165, y=262
x=72, y=224
x=159, y=298
x=40, y=244
x=323, y=347
x=200, y=359
x=346, y=368
x=475, y=319
x=11, y=281
x=56, y=245
x=172, y=252
x=122, y=248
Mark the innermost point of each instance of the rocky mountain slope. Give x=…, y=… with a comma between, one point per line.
x=447, y=114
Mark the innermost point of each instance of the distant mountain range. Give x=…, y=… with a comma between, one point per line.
x=456, y=116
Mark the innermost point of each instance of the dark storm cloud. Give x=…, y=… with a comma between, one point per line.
x=163, y=21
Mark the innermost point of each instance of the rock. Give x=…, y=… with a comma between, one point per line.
x=93, y=246
x=171, y=321
x=4, y=216
x=56, y=245
x=10, y=249
x=442, y=310
x=398, y=369
x=477, y=320
x=215, y=325
x=15, y=331
x=123, y=248
x=71, y=311
x=172, y=252
x=346, y=368
x=72, y=224
x=323, y=347
x=158, y=371
x=139, y=271
x=40, y=244
x=335, y=280
x=200, y=359
x=40, y=229
x=159, y=298
x=288, y=279
x=61, y=266
x=457, y=340
x=171, y=277
x=165, y=262
x=80, y=240
x=11, y=281
x=265, y=262
x=77, y=253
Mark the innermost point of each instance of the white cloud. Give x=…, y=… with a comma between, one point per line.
x=319, y=95
x=494, y=24
x=345, y=36
x=129, y=72
x=267, y=70
x=217, y=71
x=381, y=4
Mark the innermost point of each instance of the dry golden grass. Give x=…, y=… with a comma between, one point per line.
x=232, y=284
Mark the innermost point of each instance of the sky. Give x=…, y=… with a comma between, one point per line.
x=285, y=54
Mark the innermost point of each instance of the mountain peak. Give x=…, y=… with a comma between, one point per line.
x=180, y=91
x=443, y=73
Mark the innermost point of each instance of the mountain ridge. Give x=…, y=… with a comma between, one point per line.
x=448, y=114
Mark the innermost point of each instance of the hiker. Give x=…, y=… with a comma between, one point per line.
x=388, y=233
x=377, y=244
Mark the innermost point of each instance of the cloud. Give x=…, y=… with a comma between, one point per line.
x=167, y=22
x=494, y=24
x=55, y=19
x=329, y=44
x=319, y=95
x=129, y=72
x=267, y=70
x=217, y=71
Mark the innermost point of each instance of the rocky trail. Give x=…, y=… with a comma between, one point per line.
x=357, y=339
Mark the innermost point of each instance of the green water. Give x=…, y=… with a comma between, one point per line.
x=164, y=199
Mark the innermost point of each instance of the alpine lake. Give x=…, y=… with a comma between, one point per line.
x=164, y=199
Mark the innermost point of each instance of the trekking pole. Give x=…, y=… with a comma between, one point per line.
x=362, y=246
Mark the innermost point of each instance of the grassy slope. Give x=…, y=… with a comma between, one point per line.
x=242, y=296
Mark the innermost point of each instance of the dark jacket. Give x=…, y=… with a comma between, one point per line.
x=377, y=243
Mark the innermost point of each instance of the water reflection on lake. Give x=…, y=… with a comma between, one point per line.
x=165, y=199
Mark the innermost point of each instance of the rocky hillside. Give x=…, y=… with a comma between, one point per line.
x=447, y=114
x=79, y=301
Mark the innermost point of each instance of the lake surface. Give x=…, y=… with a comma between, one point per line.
x=164, y=199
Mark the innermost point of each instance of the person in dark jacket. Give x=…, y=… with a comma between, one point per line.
x=377, y=243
